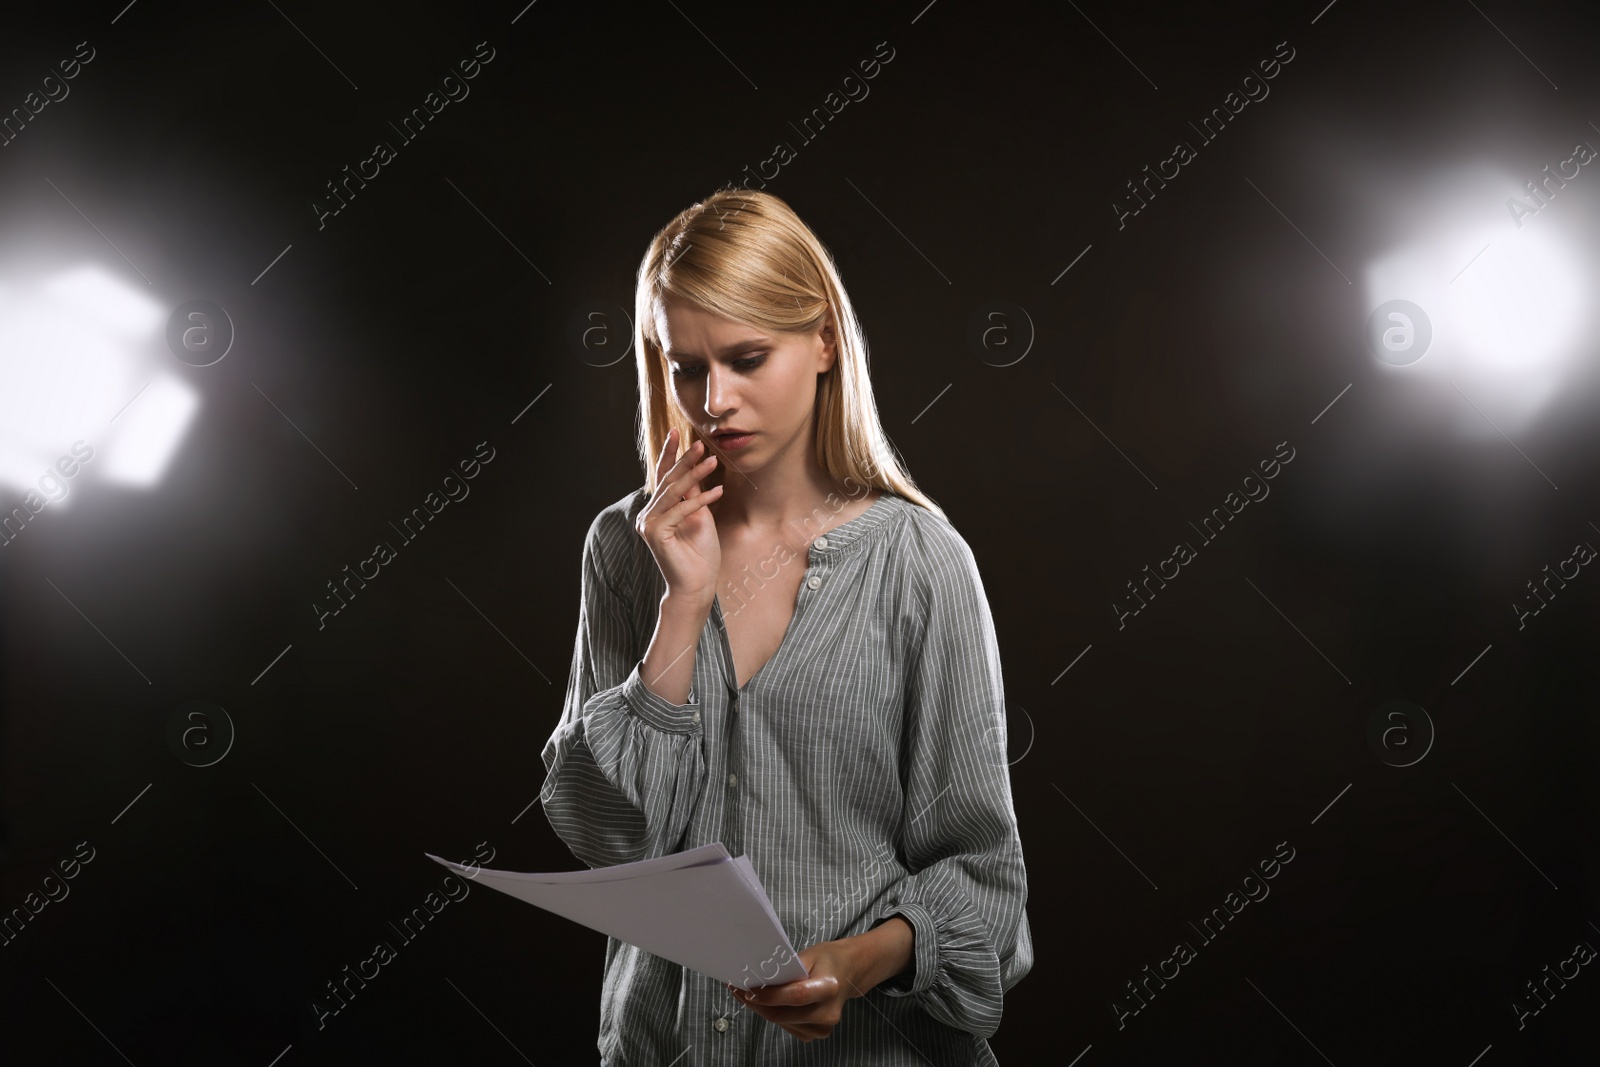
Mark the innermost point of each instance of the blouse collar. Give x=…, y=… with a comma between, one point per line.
x=847, y=535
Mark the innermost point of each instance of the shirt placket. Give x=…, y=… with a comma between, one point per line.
x=724, y=1011
x=736, y=1018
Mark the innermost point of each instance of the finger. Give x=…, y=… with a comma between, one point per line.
x=785, y=1015
x=799, y=991
x=687, y=460
x=807, y=1031
x=669, y=479
x=674, y=452
x=688, y=480
x=686, y=507
x=668, y=453
x=811, y=1019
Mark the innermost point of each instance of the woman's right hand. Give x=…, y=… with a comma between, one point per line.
x=677, y=525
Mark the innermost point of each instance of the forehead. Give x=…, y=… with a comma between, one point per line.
x=690, y=331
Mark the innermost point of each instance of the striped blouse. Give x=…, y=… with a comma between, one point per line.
x=862, y=769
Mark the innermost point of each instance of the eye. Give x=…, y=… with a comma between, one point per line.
x=694, y=370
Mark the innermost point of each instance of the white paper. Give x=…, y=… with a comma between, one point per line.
x=702, y=909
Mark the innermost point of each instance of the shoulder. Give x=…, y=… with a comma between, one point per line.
x=611, y=542
x=939, y=568
x=935, y=547
x=618, y=515
x=944, y=594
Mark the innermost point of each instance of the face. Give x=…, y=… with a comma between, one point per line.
x=726, y=375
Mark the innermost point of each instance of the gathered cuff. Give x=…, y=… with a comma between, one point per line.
x=957, y=975
x=657, y=711
x=924, y=952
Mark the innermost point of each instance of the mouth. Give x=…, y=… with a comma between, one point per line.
x=733, y=438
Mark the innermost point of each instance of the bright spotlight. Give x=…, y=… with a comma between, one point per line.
x=78, y=350
x=1505, y=305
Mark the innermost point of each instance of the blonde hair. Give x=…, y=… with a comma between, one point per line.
x=745, y=255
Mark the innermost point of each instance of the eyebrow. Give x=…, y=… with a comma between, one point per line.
x=730, y=350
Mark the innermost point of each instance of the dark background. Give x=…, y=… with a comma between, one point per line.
x=1231, y=714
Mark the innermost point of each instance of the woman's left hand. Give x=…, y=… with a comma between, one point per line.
x=809, y=1007
x=836, y=971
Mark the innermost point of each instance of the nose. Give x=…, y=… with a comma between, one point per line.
x=719, y=391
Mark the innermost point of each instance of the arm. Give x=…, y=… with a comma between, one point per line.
x=965, y=898
x=626, y=766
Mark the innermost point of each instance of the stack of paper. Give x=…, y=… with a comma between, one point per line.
x=701, y=908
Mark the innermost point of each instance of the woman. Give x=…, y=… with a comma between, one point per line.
x=784, y=646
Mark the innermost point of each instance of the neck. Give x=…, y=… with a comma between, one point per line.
x=789, y=495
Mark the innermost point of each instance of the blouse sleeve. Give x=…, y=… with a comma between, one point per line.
x=966, y=894
x=625, y=766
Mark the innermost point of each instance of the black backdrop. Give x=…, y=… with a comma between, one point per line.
x=1078, y=385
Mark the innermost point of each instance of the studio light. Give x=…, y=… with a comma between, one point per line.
x=1506, y=303
x=81, y=360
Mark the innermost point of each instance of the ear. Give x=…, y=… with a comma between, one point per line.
x=828, y=339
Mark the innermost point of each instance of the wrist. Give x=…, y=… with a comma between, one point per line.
x=880, y=954
x=690, y=606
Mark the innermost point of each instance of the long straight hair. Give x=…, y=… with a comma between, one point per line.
x=746, y=256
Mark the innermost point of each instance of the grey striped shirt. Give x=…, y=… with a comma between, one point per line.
x=862, y=769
